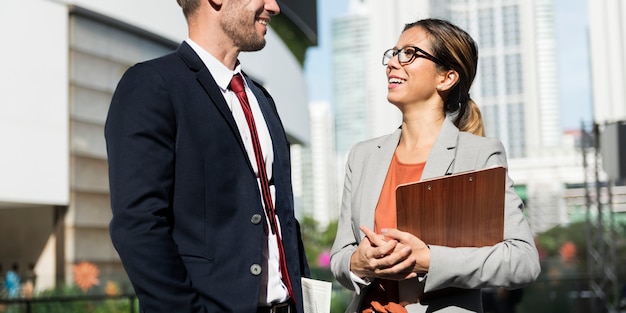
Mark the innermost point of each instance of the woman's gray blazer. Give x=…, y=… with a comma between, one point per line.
x=512, y=263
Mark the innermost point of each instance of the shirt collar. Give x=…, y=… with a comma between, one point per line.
x=219, y=71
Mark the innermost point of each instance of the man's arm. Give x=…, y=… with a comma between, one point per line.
x=140, y=135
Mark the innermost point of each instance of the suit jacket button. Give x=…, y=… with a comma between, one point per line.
x=256, y=269
x=256, y=218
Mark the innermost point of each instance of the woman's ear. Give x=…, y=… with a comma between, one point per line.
x=449, y=79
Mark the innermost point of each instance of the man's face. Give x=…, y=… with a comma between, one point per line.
x=246, y=22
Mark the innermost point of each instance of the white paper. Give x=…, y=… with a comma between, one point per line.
x=316, y=295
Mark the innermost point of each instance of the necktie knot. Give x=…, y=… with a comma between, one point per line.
x=236, y=83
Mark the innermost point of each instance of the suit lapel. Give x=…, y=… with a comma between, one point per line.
x=272, y=121
x=281, y=166
x=205, y=79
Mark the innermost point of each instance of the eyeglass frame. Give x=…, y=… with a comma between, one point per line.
x=423, y=54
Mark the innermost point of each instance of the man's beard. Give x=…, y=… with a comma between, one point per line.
x=244, y=37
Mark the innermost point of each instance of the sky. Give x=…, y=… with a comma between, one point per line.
x=318, y=61
x=572, y=57
x=573, y=62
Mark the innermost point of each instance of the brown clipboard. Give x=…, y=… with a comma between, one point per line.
x=459, y=210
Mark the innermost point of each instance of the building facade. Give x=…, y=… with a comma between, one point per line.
x=607, y=41
x=350, y=51
x=321, y=201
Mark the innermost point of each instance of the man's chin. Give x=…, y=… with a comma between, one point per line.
x=251, y=47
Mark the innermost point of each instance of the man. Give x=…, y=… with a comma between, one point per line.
x=192, y=212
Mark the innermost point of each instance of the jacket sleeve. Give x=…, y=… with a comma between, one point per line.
x=512, y=263
x=140, y=134
x=304, y=264
x=345, y=241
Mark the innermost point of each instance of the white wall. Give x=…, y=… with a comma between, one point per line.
x=163, y=17
x=33, y=102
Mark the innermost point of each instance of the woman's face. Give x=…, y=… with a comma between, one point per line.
x=416, y=81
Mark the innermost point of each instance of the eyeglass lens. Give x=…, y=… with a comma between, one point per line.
x=405, y=55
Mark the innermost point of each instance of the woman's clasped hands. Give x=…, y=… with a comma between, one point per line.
x=393, y=254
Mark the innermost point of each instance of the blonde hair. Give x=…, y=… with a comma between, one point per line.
x=457, y=51
x=472, y=121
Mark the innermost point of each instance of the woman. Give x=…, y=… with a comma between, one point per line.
x=430, y=72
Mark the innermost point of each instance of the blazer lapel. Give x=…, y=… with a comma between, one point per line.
x=441, y=158
x=377, y=166
x=277, y=134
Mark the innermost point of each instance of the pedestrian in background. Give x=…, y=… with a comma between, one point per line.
x=30, y=279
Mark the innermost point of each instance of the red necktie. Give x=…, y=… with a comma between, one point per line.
x=237, y=86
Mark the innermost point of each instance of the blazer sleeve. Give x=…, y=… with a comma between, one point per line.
x=512, y=263
x=345, y=240
x=140, y=134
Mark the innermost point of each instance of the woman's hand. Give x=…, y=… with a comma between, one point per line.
x=419, y=250
x=377, y=256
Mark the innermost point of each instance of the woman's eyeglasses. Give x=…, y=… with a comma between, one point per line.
x=407, y=55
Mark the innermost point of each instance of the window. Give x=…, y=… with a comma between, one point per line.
x=510, y=27
x=488, y=76
x=515, y=123
x=486, y=28
x=490, y=119
x=513, y=70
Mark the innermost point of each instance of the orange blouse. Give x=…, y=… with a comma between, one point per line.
x=398, y=173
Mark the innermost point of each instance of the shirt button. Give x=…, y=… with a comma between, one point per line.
x=256, y=269
x=256, y=218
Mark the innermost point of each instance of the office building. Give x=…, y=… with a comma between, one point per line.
x=607, y=41
x=321, y=202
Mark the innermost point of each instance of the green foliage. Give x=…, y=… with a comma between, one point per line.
x=84, y=306
x=70, y=299
x=315, y=239
x=552, y=240
x=340, y=299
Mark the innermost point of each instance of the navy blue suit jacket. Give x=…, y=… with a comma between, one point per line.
x=184, y=196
